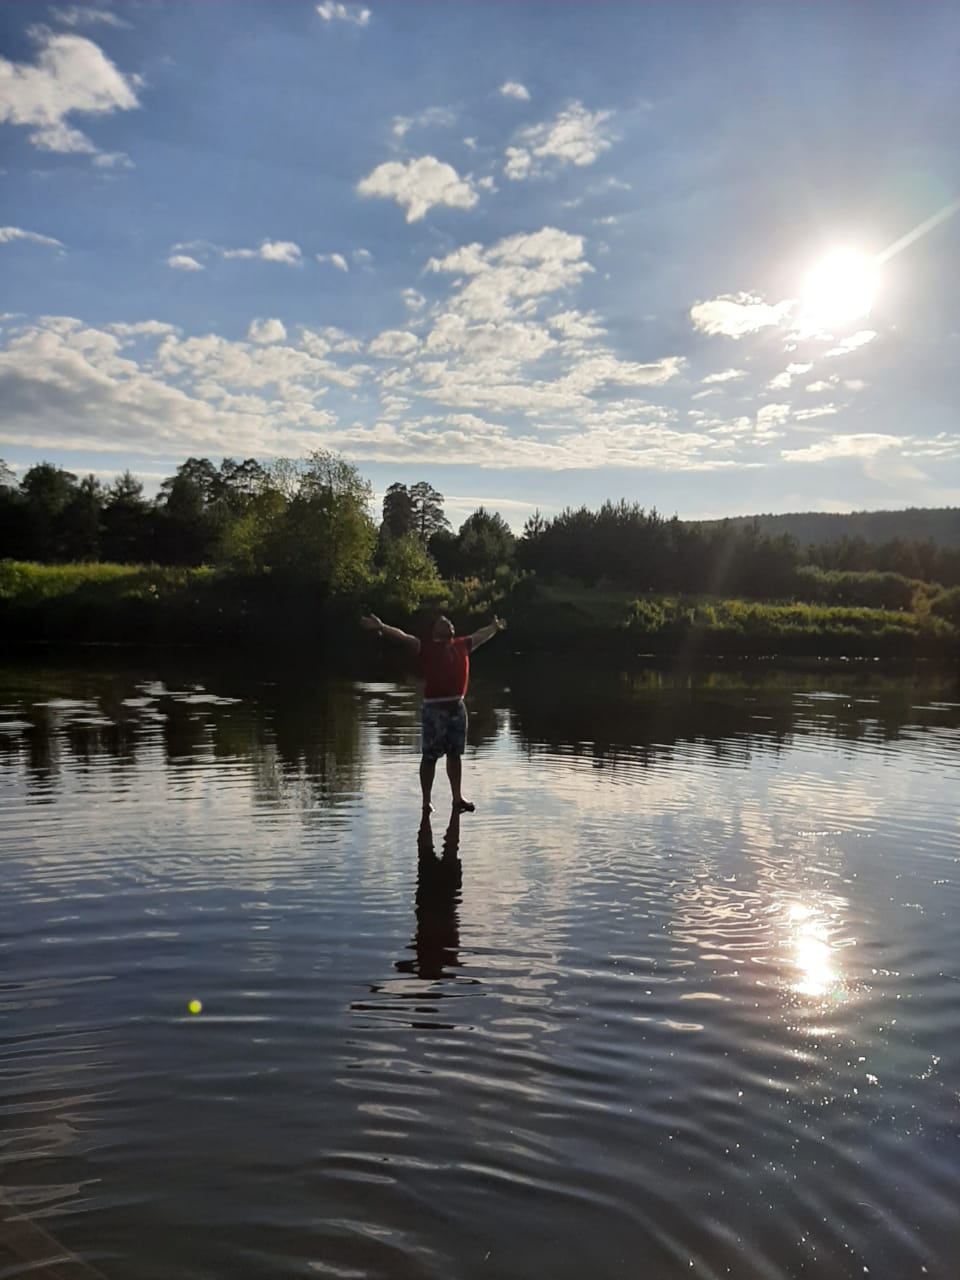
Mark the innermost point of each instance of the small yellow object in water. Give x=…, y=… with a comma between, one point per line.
x=195, y=1006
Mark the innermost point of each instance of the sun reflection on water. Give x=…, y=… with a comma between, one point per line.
x=814, y=959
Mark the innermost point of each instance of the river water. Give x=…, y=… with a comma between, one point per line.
x=681, y=998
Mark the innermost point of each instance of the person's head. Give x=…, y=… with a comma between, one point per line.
x=443, y=628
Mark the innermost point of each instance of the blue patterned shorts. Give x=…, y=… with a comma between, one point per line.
x=444, y=729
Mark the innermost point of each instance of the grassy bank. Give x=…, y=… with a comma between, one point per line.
x=548, y=618
x=154, y=605
x=143, y=605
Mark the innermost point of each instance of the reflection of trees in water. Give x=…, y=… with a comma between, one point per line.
x=484, y=722
x=67, y=716
x=647, y=712
x=302, y=736
x=309, y=749
x=304, y=733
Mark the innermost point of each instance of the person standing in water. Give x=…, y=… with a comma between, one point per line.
x=445, y=666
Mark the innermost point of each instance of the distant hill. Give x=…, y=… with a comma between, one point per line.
x=917, y=524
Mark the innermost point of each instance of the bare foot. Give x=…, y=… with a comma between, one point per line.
x=464, y=806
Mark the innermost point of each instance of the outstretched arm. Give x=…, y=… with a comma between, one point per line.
x=487, y=633
x=372, y=623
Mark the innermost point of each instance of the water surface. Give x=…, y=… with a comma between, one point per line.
x=682, y=997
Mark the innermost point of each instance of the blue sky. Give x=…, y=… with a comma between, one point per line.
x=537, y=254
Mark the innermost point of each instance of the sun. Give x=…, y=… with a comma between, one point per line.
x=840, y=289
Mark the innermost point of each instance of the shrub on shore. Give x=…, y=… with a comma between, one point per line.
x=149, y=604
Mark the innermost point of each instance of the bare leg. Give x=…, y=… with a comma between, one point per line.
x=454, y=770
x=427, y=769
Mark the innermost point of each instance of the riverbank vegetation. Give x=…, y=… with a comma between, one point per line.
x=288, y=555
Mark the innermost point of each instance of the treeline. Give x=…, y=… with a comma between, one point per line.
x=240, y=513
x=940, y=525
x=312, y=519
x=288, y=554
x=623, y=545
x=309, y=518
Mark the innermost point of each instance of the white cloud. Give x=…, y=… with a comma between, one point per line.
x=9, y=234
x=67, y=386
x=363, y=256
x=735, y=315
x=862, y=445
x=725, y=375
x=603, y=367
x=489, y=352
x=86, y=15
x=821, y=411
x=267, y=331
x=328, y=339
x=419, y=185
x=270, y=251
x=335, y=259
x=576, y=326
x=414, y=300
x=785, y=379
x=576, y=136
x=521, y=267
x=770, y=417
x=61, y=138
x=142, y=329
x=394, y=343
x=519, y=163
x=332, y=11
x=183, y=262
x=819, y=386
x=514, y=89
x=113, y=160
x=71, y=74
x=505, y=343
x=855, y=340
x=432, y=116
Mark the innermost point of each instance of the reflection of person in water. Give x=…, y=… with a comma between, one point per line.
x=438, y=892
x=445, y=666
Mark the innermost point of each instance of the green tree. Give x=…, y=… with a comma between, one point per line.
x=485, y=542
x=444, y=548
x=202, y=473
x=409, y=574
x=127, y=524
x=46, y=491
x=246, y=539
x=80, y=520
x=186, y=531
x=239, y=482
x=428, y=517
x=326, y=533
x=12, y=523
x=398, y=512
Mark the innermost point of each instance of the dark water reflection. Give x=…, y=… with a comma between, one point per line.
x=682, y=998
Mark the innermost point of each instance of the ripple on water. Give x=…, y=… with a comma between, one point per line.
x=690, y=999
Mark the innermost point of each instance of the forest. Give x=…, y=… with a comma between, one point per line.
x=255, y=538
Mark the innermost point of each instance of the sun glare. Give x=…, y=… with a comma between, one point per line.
x=840, y=289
